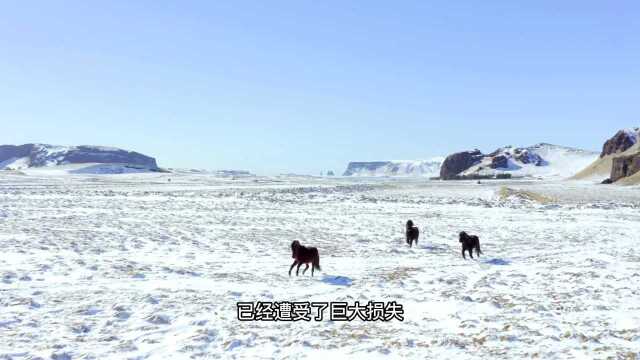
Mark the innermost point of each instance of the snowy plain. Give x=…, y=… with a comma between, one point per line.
x=135, y=266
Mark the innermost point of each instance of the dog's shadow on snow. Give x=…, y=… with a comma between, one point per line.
x=497, y=261
x=434, y=248
x=337, y=280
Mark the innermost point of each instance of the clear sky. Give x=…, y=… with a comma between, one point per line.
x=304, y=86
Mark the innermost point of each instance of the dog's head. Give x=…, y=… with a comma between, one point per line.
x=294, y=248
x=463, y=236
x=409, y=224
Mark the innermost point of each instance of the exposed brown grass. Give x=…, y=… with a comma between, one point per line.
x=400, y=273
x=506, y=192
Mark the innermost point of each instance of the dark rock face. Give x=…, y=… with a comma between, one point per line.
x=499, y=162
x=620, y=142
x=43, y=155
x=88, y=154
x=459, y=162
x=12, y=151
x=624, y=166
x=526, y=157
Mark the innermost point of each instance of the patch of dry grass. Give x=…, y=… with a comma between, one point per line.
x=400, y=273
x=505, y=192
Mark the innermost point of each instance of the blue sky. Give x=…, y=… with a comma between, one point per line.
x=305, y=86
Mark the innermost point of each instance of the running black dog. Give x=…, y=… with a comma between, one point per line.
x=413, y=233
x=469, y=242
x=304, y=255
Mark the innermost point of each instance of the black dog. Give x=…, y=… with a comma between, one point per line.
x=304, y=255
x=412, y=233
x=469, y=242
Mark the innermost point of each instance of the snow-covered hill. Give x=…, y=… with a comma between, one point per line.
x=427, y=168
x=540, y=161
x=74, y=159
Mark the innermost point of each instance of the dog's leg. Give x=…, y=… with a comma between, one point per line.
x=298, y=269
x=463, y=256
x=471, y=252
x=305, y=269
x=292, y=265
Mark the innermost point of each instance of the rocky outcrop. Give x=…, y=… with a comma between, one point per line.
x=624, y=166
x=456, y=163
x=621, y=141
x=540, y=160
x=606, y=168
x=38, y=155
x=498, y=162
x=8, y=152
x=527, y=157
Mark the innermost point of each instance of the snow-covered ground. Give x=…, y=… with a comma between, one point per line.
x=136, y=266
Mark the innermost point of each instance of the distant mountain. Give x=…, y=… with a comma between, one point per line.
x=427, y=168
x=233, y=173
x=217, y=173
x=618, y=161
x=16, y=157
x=541, y=160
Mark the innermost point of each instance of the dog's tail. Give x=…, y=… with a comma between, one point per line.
x=316, y=260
